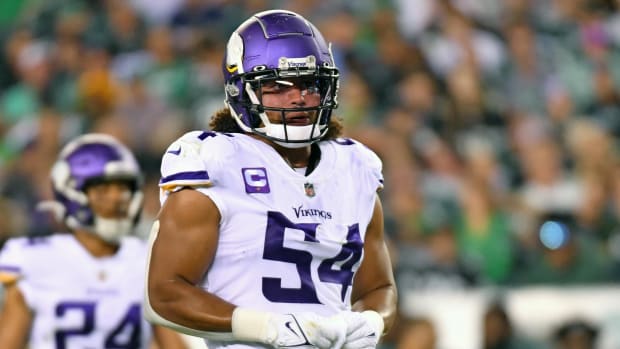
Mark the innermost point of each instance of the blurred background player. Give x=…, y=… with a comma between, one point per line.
x=265, y=221
x=83, y=289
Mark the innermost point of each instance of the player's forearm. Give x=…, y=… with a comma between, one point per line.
x=224, y=322
x=189, y=306
x=382, y=300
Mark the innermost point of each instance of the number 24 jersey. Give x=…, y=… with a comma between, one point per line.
x=80, y=301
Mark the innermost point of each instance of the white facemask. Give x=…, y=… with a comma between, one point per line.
x=113, y=229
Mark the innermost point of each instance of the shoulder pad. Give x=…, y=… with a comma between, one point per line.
x=12, y=257
x=187, y=160
x=365, y=158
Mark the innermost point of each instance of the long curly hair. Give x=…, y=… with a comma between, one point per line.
x=222, y=121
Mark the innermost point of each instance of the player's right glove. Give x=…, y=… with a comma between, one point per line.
x=363, y=329
x=299, y=330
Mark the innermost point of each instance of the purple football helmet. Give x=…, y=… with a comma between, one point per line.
x=273, y=46
x=90, y=159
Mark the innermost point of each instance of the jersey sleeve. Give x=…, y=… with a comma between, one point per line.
x=193, y=161
x=18, y=265
x=371, y=162
x=12, y=261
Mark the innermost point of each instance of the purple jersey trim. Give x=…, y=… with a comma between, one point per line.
x=185, y=176
x=9, y=268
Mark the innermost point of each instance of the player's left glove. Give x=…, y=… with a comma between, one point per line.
x=363, y=329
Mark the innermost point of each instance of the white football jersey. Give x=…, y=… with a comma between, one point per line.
x=287, y=242
x=80, y=301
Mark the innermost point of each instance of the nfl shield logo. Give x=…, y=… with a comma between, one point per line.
x=309, y=188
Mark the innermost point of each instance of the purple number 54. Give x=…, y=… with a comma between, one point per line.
x=274, y=249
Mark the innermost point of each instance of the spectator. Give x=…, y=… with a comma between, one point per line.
x=566, y=256
x=499, y=333
x=575, y=334
x=417, y=333
x=484, y=236
x=436, y=265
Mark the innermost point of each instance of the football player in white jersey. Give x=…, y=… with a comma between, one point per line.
x=83, y=289
x=271, y=231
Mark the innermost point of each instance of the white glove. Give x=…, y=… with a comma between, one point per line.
x=289, y=330
x=363, y=329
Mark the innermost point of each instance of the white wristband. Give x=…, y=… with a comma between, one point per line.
x=250, y=325
x=375, y=320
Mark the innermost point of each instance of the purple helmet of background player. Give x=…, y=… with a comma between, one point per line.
x=90, y=159
x=276, y=45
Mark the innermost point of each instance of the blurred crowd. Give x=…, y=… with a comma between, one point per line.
x=498, y=122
